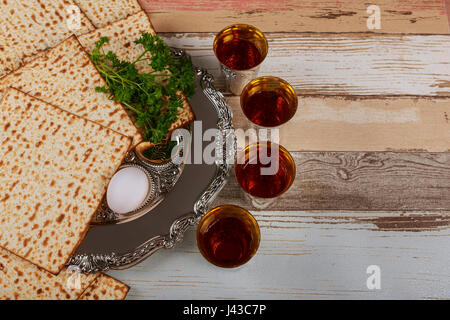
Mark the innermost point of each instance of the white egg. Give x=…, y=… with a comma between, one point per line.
x=127, y=190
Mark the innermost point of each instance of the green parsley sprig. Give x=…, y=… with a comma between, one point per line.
x=153, y=96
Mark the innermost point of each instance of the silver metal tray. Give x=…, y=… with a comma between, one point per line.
x=122, y=245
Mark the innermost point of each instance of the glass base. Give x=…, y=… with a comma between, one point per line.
x=259, y=203
x=236, y=80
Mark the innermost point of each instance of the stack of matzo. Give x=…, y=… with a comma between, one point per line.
x=65, y=76
x=103, y=12
x=60, y=140
x=105, y=288
x=55, y=169
x=22, y=280
x=29, y=26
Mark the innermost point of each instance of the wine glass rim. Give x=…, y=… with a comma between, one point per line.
x=242, y=215
x=287, y=88
x=286, y=153
x=255, y=30
x=245, y=25
x=243, y=211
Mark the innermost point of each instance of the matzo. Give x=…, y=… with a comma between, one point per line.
x=29, y=27
x=55, y=168
x=121, y=35
x=105, y=288
x=65, y=77
x=21, y=280
x=104, y=12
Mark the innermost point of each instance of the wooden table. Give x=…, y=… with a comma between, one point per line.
x=371, y=141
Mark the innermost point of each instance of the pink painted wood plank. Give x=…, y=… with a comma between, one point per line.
x=400, y=16
x=447, y=6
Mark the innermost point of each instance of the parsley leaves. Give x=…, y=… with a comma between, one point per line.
x=153, y=96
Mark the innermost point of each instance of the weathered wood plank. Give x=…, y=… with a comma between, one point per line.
x=410, y=16
x=344, y=123
x=351, y=63
x=361, y=181
x=308, y=256
x=447, y=6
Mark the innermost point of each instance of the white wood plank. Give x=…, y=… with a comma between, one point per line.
x=308, y=256
x=350, y=123
x=343, y=63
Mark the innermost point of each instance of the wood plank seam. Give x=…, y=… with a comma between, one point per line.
x=361, y=181
x=343, y=63
x=410, y=16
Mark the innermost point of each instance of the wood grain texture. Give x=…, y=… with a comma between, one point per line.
x=447, y=6
x=405, y=16
x=344, y=123
x=307, y=256
x=361, y=181
x=342, y=63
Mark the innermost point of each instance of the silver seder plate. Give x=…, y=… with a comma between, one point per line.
x=182, y=194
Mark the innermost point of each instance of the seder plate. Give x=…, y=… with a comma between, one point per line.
x=124, y=243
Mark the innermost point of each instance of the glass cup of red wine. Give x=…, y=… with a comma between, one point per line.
x=240, y=49
x=268, y=102
x=228, y=236
x=264, y=170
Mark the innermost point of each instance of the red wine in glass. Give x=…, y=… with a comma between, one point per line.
x=251, y=176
